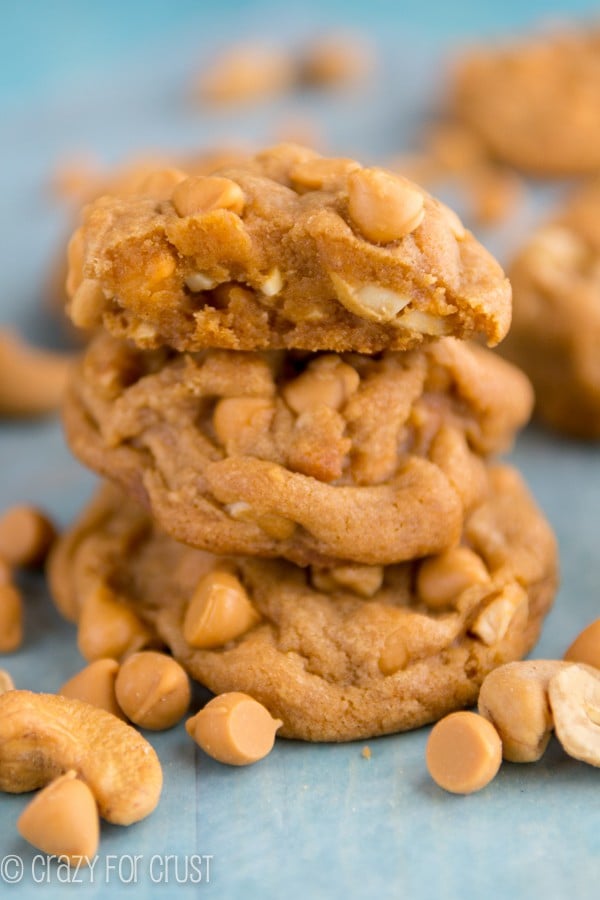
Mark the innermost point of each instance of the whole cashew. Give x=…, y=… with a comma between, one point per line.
x=575, y=700
x=514, y=697
x=44, y=735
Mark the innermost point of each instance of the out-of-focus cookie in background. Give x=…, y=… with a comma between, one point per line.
x=519, y=116
x=555, y=334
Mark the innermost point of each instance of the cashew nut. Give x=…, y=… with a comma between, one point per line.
x=32, y=381
x=514, y=697
x=44, y=735
x=574, y=696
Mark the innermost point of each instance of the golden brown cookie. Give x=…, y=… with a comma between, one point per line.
x=287, y=250
x=555, y=335
x=312, y=457
x=339, y=654
x=129, y=179
x=535, y=102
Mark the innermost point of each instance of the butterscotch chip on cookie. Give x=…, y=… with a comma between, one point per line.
x=313, y=457
x=555, y=336
x=286, y=250
x=341, y=653
x=534, y=103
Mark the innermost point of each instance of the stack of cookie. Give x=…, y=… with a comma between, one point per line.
x=302, y=502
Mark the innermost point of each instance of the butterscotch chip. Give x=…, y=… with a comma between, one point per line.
x=311, y=457
x=203, y=193
x=334, y=663
x=586, y=646
x=556, y=325
x=152, y=690
x=234, y=729
x=321, y=173
x=95, y=684
x=293, y=250
x=464, y=752
x=62, y=820
x=384, y=207
x=26, y=535
x=534, y=102
x=219, y=611
x=362, y=580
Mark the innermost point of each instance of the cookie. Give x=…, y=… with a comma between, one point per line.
x=312, y=457
x=286, y=250
x=129, y=179
x=340, y=654
x=555, y=335
x=534, y=103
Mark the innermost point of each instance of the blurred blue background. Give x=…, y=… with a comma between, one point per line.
x=49, y=47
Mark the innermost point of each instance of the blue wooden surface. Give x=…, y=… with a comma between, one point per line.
x=309, y=821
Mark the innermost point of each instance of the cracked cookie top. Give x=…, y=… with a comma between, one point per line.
x=312, y=457
x=337, y=653
x=288, y=249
